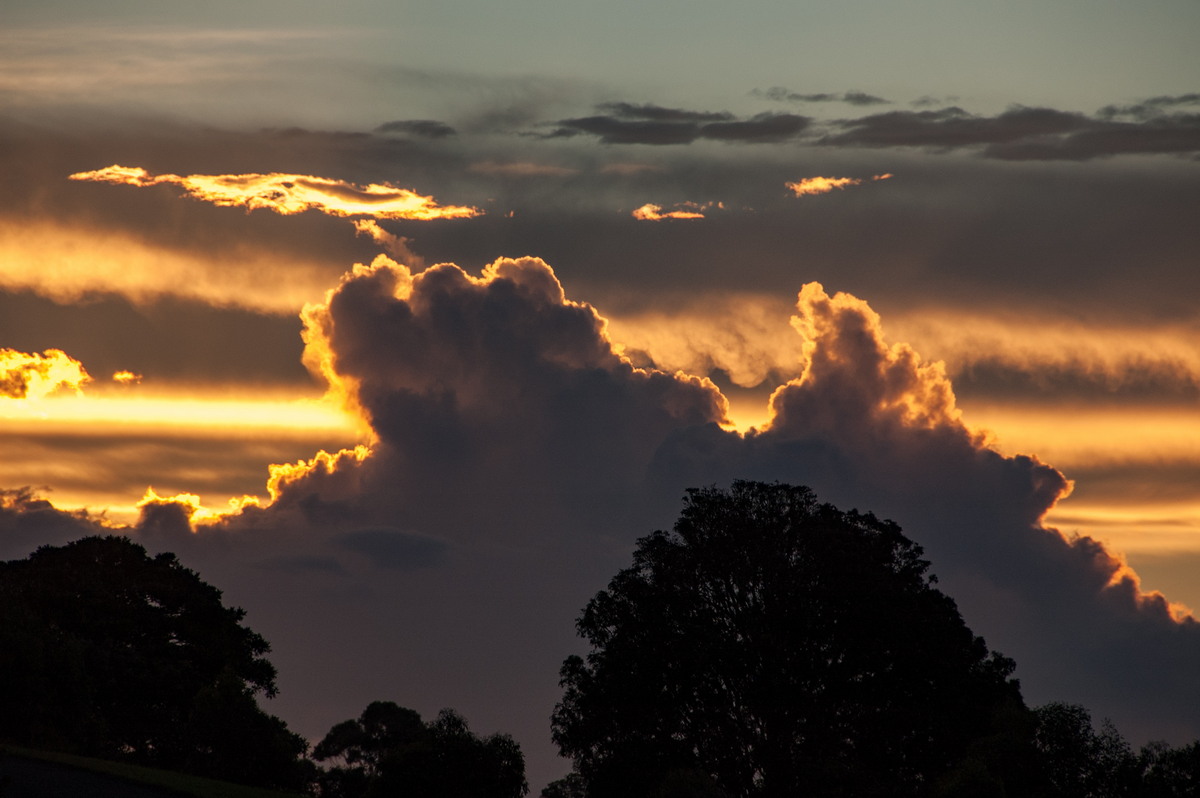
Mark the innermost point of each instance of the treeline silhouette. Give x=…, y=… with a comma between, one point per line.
x=770, y=645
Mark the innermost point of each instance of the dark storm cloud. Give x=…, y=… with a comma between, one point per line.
x=509, y=429
x=302, y=564
x=780, y=94
x=29, y=520
x=625, y=123
x=1021, y=133
x=426, y=128
x=393, y=548
x=506, y=387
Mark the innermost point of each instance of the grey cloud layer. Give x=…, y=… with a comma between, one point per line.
x=1154, y=126
x=780, y=94
x=626, y=123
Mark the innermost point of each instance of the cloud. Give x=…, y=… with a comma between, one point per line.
x=1149, y=108
x=823, y=185
x=1021, y=133
x=289, y=194
x=396, y=246
x=1005, y=355
x=780, y=94
x=28, y=520
x=656, y=113
x=494, y=402
x=516, y=455
x=33, y=376
x=425, y=128
x=655, y=213
x=394, y=549
x=77, y=263
x=650, y=124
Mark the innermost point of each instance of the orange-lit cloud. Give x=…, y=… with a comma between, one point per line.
x=33, y=376
x=69, y=264
x=103, y=414
x=735, y=333
x=289, y=194
x=126, y=378
x=683, y=210
x=824, y=185
x=1109, y=354
x=396, y=246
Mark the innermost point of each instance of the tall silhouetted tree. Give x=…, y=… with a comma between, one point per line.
x=390, y=751
x=775, y=646
x=109, y=652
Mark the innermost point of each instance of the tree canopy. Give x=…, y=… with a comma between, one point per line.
x=389, y=750
x=772, y=645
x=110, y=652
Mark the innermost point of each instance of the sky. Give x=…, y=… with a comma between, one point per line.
x=401, y=322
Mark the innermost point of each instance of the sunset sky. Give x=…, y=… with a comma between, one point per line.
x=401, y=321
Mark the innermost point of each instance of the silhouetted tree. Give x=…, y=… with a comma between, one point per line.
x=1170, y=772
x=109, y=652
x=569, y=786
x=389, y=751
x=772, y=646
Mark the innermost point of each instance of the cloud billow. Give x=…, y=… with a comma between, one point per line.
x=517, y=455
x=503, y=384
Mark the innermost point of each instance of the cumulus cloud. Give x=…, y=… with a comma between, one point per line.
x=289, y=194
x=502, y=384
x=516, y=455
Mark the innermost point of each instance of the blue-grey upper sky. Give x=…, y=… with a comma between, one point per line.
x=281, y=57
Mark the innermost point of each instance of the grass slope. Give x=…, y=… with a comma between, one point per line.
x=181, y=783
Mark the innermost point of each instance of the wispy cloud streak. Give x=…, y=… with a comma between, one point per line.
x=824, y=185
x=290, y=194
